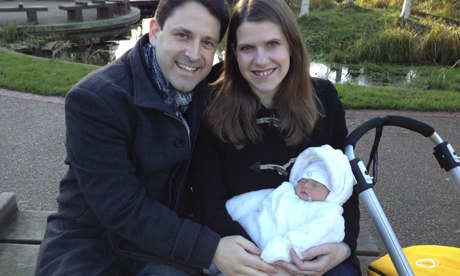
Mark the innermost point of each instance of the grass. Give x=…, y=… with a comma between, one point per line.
x=333, y=35
x=350, y=34
x=48, y=77
x=361, y=97
x=54, y=77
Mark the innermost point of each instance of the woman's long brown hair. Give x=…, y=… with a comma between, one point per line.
x=232, y=112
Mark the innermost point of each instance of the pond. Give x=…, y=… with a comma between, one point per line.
x=361, y=75
x=101, y=51
x=335, y=73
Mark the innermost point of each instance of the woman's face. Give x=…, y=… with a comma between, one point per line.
x=262, y=52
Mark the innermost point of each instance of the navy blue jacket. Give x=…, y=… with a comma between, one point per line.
x=125, y=193
x=219, y=171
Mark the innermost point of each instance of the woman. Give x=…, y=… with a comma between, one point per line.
x=266, y=110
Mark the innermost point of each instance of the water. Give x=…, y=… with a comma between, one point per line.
x=336, y=74
x=361, y=76
x=121, y=46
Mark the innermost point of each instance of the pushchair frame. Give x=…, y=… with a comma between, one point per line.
x=443, y=151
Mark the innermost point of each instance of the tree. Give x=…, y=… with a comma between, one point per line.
x=304, y=8
x=406, y=9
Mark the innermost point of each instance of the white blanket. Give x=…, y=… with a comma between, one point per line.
x=278, y=220
x=283, y=221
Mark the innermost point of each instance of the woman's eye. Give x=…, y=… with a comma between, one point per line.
x=245, y=48
x=272, y=44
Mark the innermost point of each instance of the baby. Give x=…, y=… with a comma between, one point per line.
x=302, y=213
x=314, y=187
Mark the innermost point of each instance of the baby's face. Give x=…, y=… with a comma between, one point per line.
x=311, y=190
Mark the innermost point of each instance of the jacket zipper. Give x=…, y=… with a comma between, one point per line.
x=184, y=124
x=173, y=176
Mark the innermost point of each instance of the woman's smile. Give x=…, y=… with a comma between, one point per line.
x=264, y=73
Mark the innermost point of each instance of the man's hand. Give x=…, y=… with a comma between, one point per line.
x=236, y=255
x=317, y=260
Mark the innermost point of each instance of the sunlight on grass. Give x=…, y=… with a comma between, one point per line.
x=37, y=75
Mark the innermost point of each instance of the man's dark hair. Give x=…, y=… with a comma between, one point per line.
x=218, y=8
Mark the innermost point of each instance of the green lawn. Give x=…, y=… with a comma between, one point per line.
x=331, y=36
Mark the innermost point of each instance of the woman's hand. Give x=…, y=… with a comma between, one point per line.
x=236, y=255
x=317, y=260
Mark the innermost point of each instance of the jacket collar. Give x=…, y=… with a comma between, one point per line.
x=145, y=88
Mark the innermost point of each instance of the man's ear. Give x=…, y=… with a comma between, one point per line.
x=154, y=29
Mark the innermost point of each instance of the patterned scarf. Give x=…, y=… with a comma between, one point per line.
x=176, y=101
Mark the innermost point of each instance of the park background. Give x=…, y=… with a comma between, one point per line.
x=367, y=37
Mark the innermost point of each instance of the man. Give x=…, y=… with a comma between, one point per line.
x=131, y=127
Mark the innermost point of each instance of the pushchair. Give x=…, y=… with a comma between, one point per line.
x=366, y=176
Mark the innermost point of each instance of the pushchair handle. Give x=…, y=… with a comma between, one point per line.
x=444, y=153
x=390, y=120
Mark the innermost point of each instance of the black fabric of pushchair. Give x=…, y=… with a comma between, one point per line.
x=366, y=176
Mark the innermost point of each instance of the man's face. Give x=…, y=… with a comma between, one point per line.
x=186, y=45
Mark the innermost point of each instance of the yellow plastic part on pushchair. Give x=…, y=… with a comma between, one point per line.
x=423, y=260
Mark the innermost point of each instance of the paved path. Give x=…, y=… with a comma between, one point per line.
x=421, y=201
x=418, y=197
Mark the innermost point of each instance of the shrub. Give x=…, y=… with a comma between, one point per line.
x=382, y=4
x=322, y=4
x=8, y=32
x=394, y=45
x=443, y=8
x=442, y=45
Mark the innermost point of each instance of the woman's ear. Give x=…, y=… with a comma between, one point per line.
x=154, y=29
